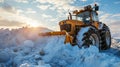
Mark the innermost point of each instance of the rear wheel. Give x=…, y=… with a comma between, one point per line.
x=88, y=36
x=105, y=37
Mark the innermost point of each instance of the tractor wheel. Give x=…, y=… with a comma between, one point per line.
x=88, y=36
x=105, y=37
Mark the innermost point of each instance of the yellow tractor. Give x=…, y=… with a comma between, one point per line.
x=83, y=28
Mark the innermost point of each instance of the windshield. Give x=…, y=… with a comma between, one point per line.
x=85, y=17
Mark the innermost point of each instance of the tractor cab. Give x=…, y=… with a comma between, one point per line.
x=86, y=16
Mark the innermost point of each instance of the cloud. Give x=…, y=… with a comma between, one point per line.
x=9, y=8
x=1, y=1
x=105, y=17
x=58, y=4
x=117, y=2
x=43, y=7
x=8, y=23
x=84, y=0
x=14, y=18
x=116, y=15
x=112, y=20
x=19, y=11
x=22, y=1
x=58, y=7
x=46, y=16
x=29, y=10
x=114, y=28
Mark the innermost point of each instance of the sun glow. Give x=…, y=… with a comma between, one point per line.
x=33, y=24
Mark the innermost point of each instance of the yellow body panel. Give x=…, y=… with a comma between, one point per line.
x=73, y=24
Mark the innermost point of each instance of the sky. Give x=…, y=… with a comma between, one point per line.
x=48, y=13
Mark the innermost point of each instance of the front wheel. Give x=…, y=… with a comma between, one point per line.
x=105, y=37
x=88, y=36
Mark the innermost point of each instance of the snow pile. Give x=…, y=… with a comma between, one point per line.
x=10, y=38
x=57, y=54
x=60, y=55
x=34, y=51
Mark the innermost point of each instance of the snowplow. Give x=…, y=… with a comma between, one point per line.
x=83, y=28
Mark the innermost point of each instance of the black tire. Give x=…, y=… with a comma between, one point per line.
x=88, y=36
x=105, y=37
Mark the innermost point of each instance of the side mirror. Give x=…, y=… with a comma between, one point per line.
x=96, y=8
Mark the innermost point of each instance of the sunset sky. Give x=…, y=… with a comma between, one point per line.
x=47, y=13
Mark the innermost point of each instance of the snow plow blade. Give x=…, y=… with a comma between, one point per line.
x=68, y=38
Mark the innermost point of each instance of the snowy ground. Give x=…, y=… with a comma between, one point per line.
x=24, y=48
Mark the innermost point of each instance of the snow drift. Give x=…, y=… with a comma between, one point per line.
x=19, y=49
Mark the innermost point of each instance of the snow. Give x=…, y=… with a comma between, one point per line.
x=4, y=56
x=27, y=49
x=81, y=34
